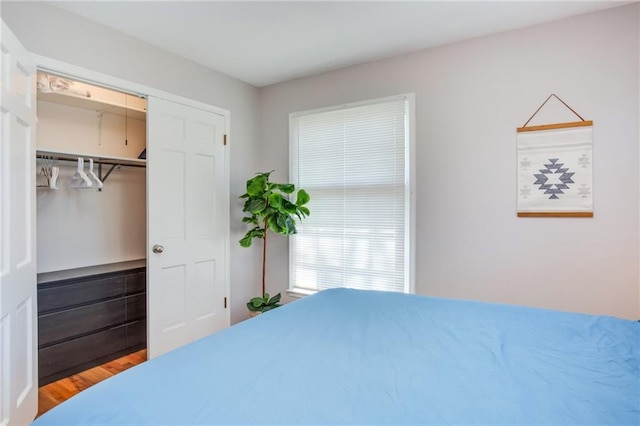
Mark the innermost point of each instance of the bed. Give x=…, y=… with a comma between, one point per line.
x=360, y=357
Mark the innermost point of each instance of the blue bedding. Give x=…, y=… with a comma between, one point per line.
x=364, y=357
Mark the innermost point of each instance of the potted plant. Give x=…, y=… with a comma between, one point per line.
x=270, y=209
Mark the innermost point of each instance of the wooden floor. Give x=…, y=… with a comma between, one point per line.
x=54, y=393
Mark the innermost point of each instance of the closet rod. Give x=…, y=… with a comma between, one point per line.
x=115, y=163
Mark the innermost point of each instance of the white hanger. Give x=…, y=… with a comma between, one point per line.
x=55, y=172
x=80, y=178
x=93, y=176
x=43, y=180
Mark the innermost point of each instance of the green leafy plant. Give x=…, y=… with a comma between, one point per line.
x=269, y=208
x=264, y=303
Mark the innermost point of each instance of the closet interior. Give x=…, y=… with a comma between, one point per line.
x=91, y=225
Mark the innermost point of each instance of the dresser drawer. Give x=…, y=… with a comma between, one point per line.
x=77, y=292
x=63, y=357
x=136, y=282
x=136, y=307
x=64, y=325
x=137, y=334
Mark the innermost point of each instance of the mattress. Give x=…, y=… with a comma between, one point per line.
x=357, y=357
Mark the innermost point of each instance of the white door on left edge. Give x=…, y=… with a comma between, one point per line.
x=18, y=352
x=188, y=224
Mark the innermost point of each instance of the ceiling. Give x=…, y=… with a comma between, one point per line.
x=267, y=42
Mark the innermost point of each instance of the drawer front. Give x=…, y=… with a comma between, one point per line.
x=136, y=282
x=64, y=356
x=67, y=324
x=136, y=307
x=79, y=292
x=137, y=333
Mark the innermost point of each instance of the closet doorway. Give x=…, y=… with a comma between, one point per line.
x=128, y=251
x=91, y=225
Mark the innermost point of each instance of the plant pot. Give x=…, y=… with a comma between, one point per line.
x=254, y=313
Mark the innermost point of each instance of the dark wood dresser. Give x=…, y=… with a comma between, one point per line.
x=88, y=320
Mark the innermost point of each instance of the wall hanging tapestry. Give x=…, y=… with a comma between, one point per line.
x=555, y=175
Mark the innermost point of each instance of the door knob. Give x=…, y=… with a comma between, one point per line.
x=158, y=248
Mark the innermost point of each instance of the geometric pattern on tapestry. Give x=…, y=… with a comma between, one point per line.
x=552, y=170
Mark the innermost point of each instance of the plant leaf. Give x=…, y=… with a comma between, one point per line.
x=291, y=226
x=287, y=188
x=275, y=200
x=303, y=198
x=256, y=185
x=304, y=210
x=246, y=241
x=288, y=206
x=255, y=205
x=274, y=299
x=247, y=203
x=273, y=224
x=281, y=219
x=252, y=219
x=256, y=232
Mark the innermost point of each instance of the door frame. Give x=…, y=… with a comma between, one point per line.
x=75, y=72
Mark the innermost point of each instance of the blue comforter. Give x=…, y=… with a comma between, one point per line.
x=363, y=357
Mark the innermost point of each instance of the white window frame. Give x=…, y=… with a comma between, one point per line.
x=410, y=179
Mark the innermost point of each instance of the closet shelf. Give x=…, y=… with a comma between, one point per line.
x=45, y=277
x=100, y=106
x=98, y=159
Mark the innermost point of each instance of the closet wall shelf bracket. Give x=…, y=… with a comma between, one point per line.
x=111, y=169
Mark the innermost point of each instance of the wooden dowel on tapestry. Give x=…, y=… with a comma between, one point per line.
x=555, y=214
x=555, y=126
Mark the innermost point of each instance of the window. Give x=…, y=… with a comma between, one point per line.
x=354, y=161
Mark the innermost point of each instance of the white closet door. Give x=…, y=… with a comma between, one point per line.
x=188, y=224
x=18, y=351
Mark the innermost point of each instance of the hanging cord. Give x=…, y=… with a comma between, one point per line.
x=126, y=119
x=553, y=95
x=100, y=127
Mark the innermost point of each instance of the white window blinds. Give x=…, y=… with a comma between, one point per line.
x=353, y=161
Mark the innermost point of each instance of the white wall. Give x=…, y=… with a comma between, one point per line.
x=84, y=227
x=470, y=97
x=51, y=32
x=66, y=128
